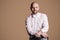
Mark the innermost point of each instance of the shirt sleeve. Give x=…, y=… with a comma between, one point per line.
x=28, y=26
x=45, y=24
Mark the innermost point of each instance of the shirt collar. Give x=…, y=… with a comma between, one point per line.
x=35, y=15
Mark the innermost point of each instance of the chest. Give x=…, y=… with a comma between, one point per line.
x=36, y=20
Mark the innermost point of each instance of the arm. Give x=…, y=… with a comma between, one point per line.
x=28, y=26
x=45, y=26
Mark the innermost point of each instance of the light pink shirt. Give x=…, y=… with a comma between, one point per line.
x=38, y=22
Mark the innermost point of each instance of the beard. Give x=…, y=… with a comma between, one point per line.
x=34, y=12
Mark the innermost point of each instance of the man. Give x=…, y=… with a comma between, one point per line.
x=37, y=24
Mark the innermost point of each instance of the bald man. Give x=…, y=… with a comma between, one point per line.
x=37, y=23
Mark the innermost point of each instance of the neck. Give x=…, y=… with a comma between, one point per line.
x=33, y=14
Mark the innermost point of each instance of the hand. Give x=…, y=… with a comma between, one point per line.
x=44, y=35
x=38, y=34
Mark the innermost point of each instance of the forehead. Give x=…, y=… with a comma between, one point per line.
x=35, y=4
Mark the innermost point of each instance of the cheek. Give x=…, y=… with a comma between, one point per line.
x=37, y=9
x=32, y=9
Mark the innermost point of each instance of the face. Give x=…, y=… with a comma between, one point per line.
x=35, y=8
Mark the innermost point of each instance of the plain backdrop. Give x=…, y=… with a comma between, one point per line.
x=14, y=12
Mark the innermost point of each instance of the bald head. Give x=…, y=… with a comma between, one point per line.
x=34, y=7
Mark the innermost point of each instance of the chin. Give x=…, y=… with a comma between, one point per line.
x=35, y=12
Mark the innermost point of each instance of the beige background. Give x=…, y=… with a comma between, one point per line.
x=14, y=12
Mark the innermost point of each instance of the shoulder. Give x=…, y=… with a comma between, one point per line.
x=43, y=15
x=28, y=17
